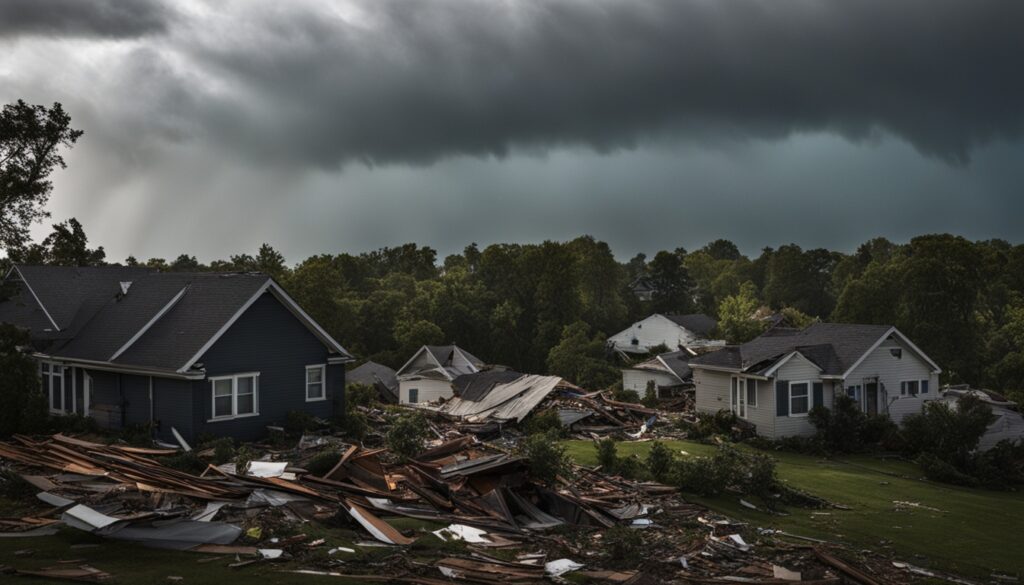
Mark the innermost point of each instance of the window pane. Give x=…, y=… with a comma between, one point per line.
x=246, y=404
x=798, y=390
x=799, y=405
x=246, y=385
x=414, y=395
x=222, y=388
x=46, y=367
x=752, y=392
x=912, y=388
x=314, y=375
x=222, y=406
x=314, y=391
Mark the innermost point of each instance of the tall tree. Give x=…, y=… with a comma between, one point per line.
x=736, y=321
x=673, y=287
x=31, y=138
x=67, y=245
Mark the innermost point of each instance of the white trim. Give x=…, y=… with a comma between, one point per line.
x=86, y=389
x=416, y=355
x=695, y=366
x=786, y=359
x=671, y=372
x=289, y=304
x=234, y=396
x=893, y=331
x=36, y=297
x=810, y=398
x=323, y=382
x=151, y=322
x=74, y=390
x=53, y=367
x=109, y=367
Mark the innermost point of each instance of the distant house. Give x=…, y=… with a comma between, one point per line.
x=672, y=331
x=1007, y=423
x=643, y=288
x=381, y=377
x=774, y=380
x=670, y=373
x=202, y=353
x=428, y=375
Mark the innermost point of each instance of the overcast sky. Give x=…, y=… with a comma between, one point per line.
x=211, y=127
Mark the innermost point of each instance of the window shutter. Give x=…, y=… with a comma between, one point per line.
x=819, y=392
x=781, y=398
x=924, y=386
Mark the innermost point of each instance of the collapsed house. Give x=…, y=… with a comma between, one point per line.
x=671, y=331
x=428, y=375
x=379, y=376
x=669, y=372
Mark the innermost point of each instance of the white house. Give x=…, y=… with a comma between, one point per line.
x=668, y=371
x=774, y=380
x=672, y=331
x=428, y=375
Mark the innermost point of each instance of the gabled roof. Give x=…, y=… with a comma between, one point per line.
x=697, y=322
x=835, y=348
x=161, y=322
x=675, y=363
x=441, y=362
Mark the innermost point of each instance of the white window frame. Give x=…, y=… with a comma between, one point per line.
x=234, y=396
x=739, y=390
x=754, y=403
x=409, y=395
x=323, y=382
x=810, y=392
x=50, y=374
x=905, y=388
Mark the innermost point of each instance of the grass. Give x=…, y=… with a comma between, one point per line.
x=975, y=532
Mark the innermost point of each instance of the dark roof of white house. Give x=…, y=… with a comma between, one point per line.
x=697, y=322
x=372, y=373
x=139, y=318
x=833, y=347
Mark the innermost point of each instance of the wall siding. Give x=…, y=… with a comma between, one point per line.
x=890, y=371
x=430, y=390
x=798, y=369
x=267, y=339
x=712, y=394
x=637, y=380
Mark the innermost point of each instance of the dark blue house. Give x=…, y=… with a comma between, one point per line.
x=222, y=354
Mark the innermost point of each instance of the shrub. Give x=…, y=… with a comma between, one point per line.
x=223, y=449
x=623, y=544
x=138, y=435
x=951, y=434
x=298, y=422
x=626, y=396
x=729, y=468
x=243, y=457
x=407, y=434
x=651, y=395
x=74, y=423
x=629, y=466
x=936, y=469
x=25, y=405
x=720, y=423
x=660, y=460
x=543, y=422
x=359, y=395
x=607, y=454
x=354, y=425
x=323, y=462
x=186, y=461
x=546, y=457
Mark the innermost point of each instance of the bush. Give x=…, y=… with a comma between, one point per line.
x=660, y=460
x=624, y=545
x=323, y=462
x=622, y=395
x=25, y=406
x=543, y=422
x=729, y=468
x=223, y=449
x=936, y=469
x=298, y=422
x=720, y=423
x=354, y=425
x=243, y=457
x=546, y=457
x=359, y=395
x=407, y=434
x=607, y=454
x=651, y=395
x=951, y=434
x=73, y=423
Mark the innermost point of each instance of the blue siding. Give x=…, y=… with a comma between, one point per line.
x=267, y=339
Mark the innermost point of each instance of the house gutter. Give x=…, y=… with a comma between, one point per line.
x=728, y=371
x=109, y=367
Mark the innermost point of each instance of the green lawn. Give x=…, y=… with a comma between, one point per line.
x=975, y=532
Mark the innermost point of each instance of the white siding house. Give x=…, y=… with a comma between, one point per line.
x=672, y=331
x=774, y=380
x=428, y=375
x=670, y=373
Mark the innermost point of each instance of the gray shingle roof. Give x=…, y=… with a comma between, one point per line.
x=834, y=347
x=698, y=323
x=98, y=321
x=371, y=373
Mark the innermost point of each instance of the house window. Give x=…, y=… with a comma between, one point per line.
x=635, y=341
x=315, y=376
x=52, y=379
x=751, y=392
x=909, y=388
x=235, y=396
x=414, y=395
x=799, y=399
x=913, y=387
x=853, y=392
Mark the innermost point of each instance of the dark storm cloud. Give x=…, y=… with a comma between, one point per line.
x=419, y=81
x=82, y=18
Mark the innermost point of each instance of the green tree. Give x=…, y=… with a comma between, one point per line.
x=31, y=140
x=407, y=435
x=673, y=287
x=579, y=358
x=25, y=406
x=67, y=245
x=412, y=335
x=736, y=321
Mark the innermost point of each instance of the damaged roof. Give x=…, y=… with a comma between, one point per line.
x=697, y=322
x=675, y=363
x=833, y=347
x=371, y=373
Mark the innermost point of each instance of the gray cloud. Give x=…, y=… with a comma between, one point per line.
x=82, y=18
x=419, y=81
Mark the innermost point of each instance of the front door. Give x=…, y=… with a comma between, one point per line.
x=871, y=397
x=738, y=397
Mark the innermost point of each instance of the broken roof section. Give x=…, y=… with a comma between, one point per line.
x=441, y=361
x=698, y=323
x=673, y=363
x=373, y=374
x=506, y=401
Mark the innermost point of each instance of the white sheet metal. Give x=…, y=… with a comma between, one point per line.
x=511, y=401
